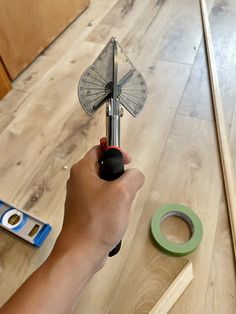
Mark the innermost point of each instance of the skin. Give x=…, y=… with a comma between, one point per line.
x=96, y=218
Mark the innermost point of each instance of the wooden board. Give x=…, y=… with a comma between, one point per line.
x=220, y=300
x=220, y=292
x=40, y=180
x=153, y=36
x=23, y=38
x=5, y=84
x=223, y=268
x=165, y=303
x=66, y=148
x=195, y=101
x=221, y=126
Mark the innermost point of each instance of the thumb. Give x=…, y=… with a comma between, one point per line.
x=132, y=180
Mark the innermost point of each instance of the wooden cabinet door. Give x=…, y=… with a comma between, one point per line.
x=27, y=27
x=5, y=85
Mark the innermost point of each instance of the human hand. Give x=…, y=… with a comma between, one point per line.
x=97, y=211
x=96, y=218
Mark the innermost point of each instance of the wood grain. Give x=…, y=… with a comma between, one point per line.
x=165, y=35
x=221, y=284
x=23, y=38
x=40, y=179
x=181, y=182
x=222, y=134
x=178, y=286
x=195, y=101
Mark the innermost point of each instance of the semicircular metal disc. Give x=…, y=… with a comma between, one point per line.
x=96, y=83
x=133, y=93
x=93, y=88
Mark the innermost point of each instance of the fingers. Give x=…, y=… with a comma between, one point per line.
x=94, y=154
x=132, y=180
x=126, y=157
x=92, y=158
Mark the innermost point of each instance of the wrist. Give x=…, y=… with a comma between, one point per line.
x=78, y=249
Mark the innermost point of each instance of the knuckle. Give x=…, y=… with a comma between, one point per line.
x=139, y=177
x=75, y=169
x=138, y=173
x=122, y=190
x=142, y=177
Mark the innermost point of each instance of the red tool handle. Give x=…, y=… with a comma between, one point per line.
x=112, y=167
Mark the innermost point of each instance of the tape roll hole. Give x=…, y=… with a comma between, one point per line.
x=14, y=219
x=176, y=227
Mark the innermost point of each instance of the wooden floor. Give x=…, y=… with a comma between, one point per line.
x=43, y=129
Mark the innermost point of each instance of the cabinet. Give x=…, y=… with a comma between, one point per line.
x=28, y=27
x=5, y=84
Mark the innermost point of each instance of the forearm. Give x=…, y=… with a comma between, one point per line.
x=56, y=285
x=96, y=218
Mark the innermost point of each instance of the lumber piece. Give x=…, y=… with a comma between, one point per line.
x=172, y=294
x=221, y=128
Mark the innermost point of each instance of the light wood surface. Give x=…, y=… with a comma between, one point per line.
x=173, y=142
x=5, y=84
x=165, y=302
x=222, y=133
x=29, y=27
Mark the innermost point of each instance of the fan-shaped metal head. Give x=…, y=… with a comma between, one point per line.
x=97, y=83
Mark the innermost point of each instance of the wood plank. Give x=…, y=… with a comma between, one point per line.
x=152, y=291
x=39, y=172
x=195, y=100
x=220, y=293
x=5, y=84
x=223, y=268
x=20, y=45
x=221, y=127
x=5, y=120
x=197, y=96
x=188, y=180
x=232, y=139
x=12, y=101
x=164, y=35
x=178, y=286
x=122, y=17
x=220, y=297
x=168, y=34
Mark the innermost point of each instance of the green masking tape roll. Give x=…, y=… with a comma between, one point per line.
x=194, y=223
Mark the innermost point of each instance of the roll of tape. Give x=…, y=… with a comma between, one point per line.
x=185, y=213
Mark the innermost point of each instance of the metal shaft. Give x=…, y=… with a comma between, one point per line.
x=112, y=126
x=113, y=107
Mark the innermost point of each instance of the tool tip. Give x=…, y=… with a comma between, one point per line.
x=113, y=39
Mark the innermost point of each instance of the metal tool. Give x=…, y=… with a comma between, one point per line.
x=23, y=225
x=112, y=79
